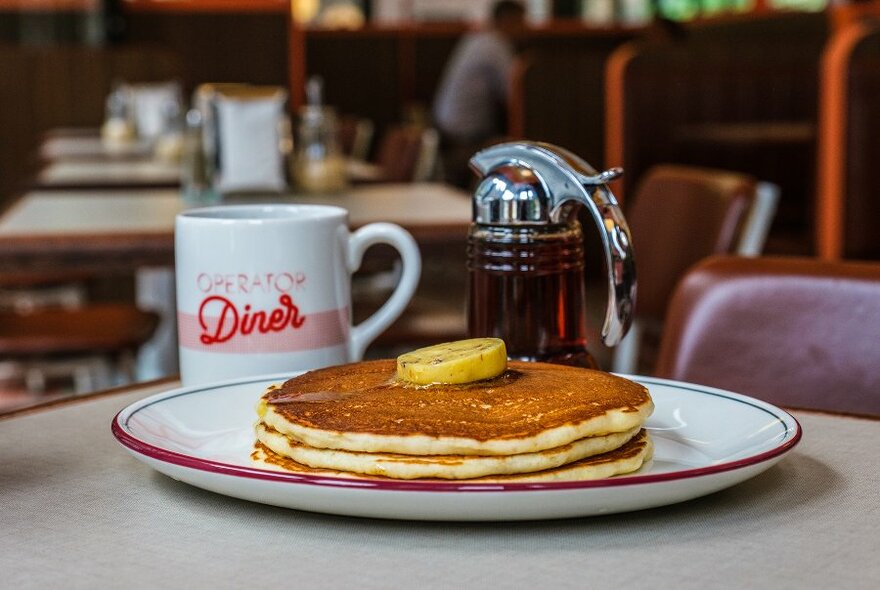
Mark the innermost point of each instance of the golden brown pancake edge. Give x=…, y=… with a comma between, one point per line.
x=629, y=451
x=529, y=398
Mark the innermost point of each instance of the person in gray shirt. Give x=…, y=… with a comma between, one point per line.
x=471, y=101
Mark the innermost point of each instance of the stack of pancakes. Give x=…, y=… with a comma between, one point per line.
x=535, y=422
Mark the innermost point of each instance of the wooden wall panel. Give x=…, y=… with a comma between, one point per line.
x=396, y=70
x=558, y=95
x=46, y=87
x=16, y=119
x=862, y=184
x=740, y=96
x=218, y=47
x=361, y=74
x=849, y=148
x=63, y=83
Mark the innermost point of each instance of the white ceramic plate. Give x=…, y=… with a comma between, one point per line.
x=705, y=440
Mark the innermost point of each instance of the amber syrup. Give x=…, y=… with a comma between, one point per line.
x=526, y=286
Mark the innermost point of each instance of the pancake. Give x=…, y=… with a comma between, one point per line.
x=399, y=466
x=532, y=407
x=626, y=459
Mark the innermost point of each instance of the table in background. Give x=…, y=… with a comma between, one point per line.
x=87, y=514
x=79, y=158
x=94, y=229
x=86, y=143
x=140, y=173
x=119, y=173
x=75, y=159
x=133, y=231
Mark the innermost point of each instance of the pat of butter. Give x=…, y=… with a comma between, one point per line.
x=262, y=407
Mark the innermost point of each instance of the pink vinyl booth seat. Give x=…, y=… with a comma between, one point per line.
x=791, y=331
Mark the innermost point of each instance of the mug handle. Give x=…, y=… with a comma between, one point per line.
x=394, y=235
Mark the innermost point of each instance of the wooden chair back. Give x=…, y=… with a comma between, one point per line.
x=407, y=153
x=678, y=216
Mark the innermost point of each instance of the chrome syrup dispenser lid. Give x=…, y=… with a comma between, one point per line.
x=533, y=184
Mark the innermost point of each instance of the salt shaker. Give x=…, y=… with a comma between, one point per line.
x=318, y=165
x=196, y=174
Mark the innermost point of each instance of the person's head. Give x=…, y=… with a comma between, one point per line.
x=508, y=16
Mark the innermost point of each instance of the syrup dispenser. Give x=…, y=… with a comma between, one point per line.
x=526, y=257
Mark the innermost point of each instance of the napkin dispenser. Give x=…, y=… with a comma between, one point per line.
x=250, y=127
x=525, y=252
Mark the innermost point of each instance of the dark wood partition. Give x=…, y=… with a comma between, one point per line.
x=52, y=86
x=387, y=74
x=391, y=73
x=849, y=145
x=738, y=94
x=52, y=77
x=218, y=46
x=557, y=90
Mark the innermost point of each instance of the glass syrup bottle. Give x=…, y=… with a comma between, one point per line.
x=526, y=258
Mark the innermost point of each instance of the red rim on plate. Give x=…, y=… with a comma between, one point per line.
x=164, y=455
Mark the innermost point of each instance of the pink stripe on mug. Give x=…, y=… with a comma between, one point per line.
x=253, y=332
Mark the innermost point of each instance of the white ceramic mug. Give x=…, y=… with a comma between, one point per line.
x=267, y=289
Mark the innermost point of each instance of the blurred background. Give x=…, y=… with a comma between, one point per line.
x=783, y=93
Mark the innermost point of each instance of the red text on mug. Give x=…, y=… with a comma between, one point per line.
x=259, y=313
x=246, y=283
x=221, y=319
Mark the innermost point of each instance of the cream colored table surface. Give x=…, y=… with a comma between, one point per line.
x=123, y=228
x=79, y=512
x=71, y=171
x=115, y=172
x=75, y=212
x=65, y=147
x=87, y=161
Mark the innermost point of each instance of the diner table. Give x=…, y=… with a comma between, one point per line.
x=86, y=143
x=80, y=512
x=78, y=158
x=135, y=172
x=126, y=228
x=133, y=231
x=102, y=173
